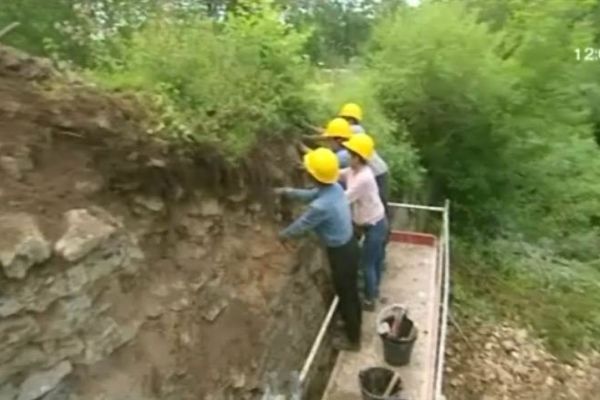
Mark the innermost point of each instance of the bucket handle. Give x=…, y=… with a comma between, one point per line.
x=386, y=310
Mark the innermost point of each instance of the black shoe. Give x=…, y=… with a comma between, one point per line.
x=343, y=344
x=368, y=305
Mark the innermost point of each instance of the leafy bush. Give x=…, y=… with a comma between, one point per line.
x=434, y=68
x=229, y=82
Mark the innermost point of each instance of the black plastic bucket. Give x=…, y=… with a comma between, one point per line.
x=397, y=351
x=374, y=382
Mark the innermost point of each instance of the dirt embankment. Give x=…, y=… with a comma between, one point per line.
x=503, y=362
x=133, y=269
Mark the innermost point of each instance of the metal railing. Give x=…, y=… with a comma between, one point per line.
x=443, y=265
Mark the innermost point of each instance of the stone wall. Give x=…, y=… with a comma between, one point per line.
x=50, y=316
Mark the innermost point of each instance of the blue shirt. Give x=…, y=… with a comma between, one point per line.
x=343, y=157
x=328, y=215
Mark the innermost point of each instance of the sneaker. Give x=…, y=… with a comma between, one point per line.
x=368, y=305
x=343, y=344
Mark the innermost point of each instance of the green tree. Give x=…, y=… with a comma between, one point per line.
x=435, y=68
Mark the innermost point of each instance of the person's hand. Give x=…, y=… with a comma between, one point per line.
x=303, y=148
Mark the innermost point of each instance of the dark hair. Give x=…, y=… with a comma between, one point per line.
x=354, y=154
x=317, y=182
x=351, y=120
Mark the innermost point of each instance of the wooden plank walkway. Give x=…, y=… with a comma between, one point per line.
x=412, y=278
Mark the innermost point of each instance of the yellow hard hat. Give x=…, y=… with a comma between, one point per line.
x=338, y=128
x=323, y=165
x=352, y=110
x=361, y=144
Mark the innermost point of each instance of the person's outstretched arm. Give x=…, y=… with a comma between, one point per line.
x=307, y=221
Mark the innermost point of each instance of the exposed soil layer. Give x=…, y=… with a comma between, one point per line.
x=212, y=303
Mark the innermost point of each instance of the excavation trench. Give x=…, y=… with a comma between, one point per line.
x=136, y=269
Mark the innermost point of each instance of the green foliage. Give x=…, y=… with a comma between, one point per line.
x=230, y=81
x=504, y=118
x=338, y=27
x=435, y=69
x=40, y=24
x=556, y=297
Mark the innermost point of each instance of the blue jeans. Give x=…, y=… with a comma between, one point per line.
x=372, y=257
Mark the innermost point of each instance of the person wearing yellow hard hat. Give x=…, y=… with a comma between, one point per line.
x=353, y=113
x=337, y=131
x=368, y=212
x=329, y=216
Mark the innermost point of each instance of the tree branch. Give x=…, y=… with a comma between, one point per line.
x=8, y=28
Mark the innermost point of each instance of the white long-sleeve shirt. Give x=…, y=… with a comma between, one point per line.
x=363, y=195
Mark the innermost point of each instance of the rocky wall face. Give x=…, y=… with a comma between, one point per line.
x=204, y=309
x=119, y=277
x=50, y=317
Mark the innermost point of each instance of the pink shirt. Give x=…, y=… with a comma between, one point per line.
x=363, y=194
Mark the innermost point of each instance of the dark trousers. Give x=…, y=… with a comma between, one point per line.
x=343, y=261
x=372, y=255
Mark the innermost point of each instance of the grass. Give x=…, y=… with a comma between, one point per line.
x=557, y=299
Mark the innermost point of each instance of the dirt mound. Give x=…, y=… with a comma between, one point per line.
x=139, y=269
x=504, y=363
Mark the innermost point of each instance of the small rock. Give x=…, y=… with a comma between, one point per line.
x=455, y=382
x=569, y=369
x=239, y=380
x=181, y=304
x=521, y=336
x=237, y=198
x=160, y=291
x=210, y=208
x=187, y=253
x=215, y=309
x=22, y=244
x=89, y=187
x=185, y=339
x=550, y=381
x=152, y=203
x=259, y=251
x=508, y=345
x=154, y=312
x=85, y=232
x=155, y=162
x=199, y=284
x=8, y=307
x=8, y=392
x=255, y=207
x=10, y=166
x=15, y=167
x=35, y=386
